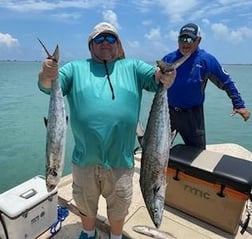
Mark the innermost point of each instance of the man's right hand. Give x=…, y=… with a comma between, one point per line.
x=48, y=73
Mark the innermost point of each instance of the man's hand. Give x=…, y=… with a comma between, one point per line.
x=48, y=73
x=166, y=78
x=244, y=112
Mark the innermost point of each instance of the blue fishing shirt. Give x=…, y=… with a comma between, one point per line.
x=188, y=89
x=104, y=129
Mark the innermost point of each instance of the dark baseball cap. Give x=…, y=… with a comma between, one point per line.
x=192, y=30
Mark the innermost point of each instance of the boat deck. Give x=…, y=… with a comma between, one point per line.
x=178, y=224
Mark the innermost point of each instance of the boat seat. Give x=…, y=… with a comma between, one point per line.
x=222, y=169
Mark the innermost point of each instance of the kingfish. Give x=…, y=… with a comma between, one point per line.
x=156, y=149
x=56, y=131
x=155, y=155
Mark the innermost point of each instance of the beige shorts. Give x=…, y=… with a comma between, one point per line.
x=115, y=185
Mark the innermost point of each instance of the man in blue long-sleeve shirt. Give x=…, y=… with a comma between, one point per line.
x=187, y=94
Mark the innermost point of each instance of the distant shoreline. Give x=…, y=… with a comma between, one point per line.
x=237, y=64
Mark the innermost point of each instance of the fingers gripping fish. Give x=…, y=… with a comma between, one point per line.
x=56, y=130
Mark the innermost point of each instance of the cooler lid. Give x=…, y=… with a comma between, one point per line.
x=24, y=196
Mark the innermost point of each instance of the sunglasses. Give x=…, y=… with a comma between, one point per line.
x=111, y=39
x=186, y=39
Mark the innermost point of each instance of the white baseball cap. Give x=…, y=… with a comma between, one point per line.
x=103, y=27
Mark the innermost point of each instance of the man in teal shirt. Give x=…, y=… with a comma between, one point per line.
x=104, y=95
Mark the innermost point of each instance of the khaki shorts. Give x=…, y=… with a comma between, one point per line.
x=115, y=185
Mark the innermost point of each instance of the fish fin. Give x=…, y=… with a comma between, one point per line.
x=173, y=136
x=137, y=149
x=140, y=140
x=55, y=55
x=140, y=129
x=156, y=189
x=45, y=121
x=140, y=132
x=45, y=49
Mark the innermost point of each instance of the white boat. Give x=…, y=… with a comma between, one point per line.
x=178, y=223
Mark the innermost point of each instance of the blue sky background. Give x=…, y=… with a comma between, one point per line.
x=148, y=28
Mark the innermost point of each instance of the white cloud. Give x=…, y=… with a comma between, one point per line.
x=173, y=35
x=144, y=5
x=43, y=5
x=134, y=44
x=205, y=21
x=111, y=17
x=234, y=36
x=67, y=16
x=7, y=40
x=154, y=34
x=147, y=22
x=246, y=32
x=177, y=9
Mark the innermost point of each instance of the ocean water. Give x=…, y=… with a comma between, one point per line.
x=23, y=106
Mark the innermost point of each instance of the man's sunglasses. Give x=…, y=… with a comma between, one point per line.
x=111, y=39
x=186, y=39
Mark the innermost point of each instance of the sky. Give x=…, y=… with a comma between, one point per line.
x=148, y=29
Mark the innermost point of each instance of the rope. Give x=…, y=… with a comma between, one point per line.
x=62, y=214
x=108, y=77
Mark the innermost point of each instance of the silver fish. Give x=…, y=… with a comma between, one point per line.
x=153, y=232
x=156, y=148
x=56, y=131
x=155, y=155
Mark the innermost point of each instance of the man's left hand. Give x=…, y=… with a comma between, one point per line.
x=244, y=112
x=166, y=78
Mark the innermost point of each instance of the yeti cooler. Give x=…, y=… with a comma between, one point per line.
x=27, y=210
x=209, y=185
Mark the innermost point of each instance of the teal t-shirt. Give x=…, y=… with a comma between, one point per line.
x=104, y=129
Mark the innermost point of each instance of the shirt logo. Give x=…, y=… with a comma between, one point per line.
x=224, y=71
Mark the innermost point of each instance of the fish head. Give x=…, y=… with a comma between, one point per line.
x=157, y=213
x=156, y=206
x=52, y=178
x=165, y=67
x=50, y=187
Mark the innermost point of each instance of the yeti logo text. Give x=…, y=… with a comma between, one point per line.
x=197, y=192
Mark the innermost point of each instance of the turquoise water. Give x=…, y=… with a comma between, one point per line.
x=23, y=106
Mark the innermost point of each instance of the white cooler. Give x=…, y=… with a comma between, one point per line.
x=27, y=210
